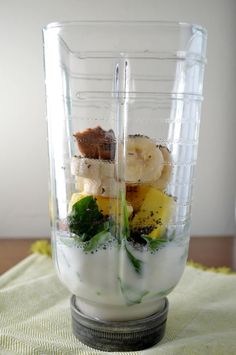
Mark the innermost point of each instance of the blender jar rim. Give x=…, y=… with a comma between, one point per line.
x=74, y=23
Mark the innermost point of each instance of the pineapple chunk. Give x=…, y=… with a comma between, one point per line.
x=135, y=194
x=75, y=198
x=154, y=213
x=112, y=207
x=106, y=205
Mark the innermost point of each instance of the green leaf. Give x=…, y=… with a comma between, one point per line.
x=137, y=263
x=126, y=231
x=160, y=294
x=130, y=294
x=85, y=219
x=96, y=241
x=154, y=243
x=171, y=236
x=69, y=241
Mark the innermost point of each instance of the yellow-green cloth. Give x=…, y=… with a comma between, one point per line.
x=35, y=314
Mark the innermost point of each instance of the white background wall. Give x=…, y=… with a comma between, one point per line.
x=23, y=145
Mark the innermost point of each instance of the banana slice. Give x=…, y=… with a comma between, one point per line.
x=144, y=160
x=92, y=168
x=95, y=176
x=88, y=168
x=107, y=169
x=107, y=187
x=163, y=180
x=88, y=186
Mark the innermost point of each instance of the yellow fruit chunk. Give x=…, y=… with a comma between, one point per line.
x=135, y=194
x=111, y=207
x=106, y=205
x=75, y=198
x=154, y=213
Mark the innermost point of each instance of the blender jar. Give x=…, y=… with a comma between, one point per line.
x=123, y=111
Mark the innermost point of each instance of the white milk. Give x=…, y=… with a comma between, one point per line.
x=107, y=285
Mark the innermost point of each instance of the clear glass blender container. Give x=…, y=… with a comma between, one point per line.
x=123, y=111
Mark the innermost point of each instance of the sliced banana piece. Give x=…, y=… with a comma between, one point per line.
x=92, y=168
x=107, y=187
x=144, y=160
x=88, y=168
x=163, y=180
x=107, y=169
x=88, y=186
x=110, y=187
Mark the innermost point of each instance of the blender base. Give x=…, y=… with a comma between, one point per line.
x=129, y=335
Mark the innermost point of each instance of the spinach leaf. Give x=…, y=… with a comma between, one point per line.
x=130, y=294
x=70, y=242
x=85, y=219
x=155, y=295
x=137, y=263
x=154, y=243
x=126, y=231
x=96, y=241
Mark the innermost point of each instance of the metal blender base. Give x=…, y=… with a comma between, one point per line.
x=133, y=335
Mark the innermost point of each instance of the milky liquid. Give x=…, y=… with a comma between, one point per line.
x=107, y=285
